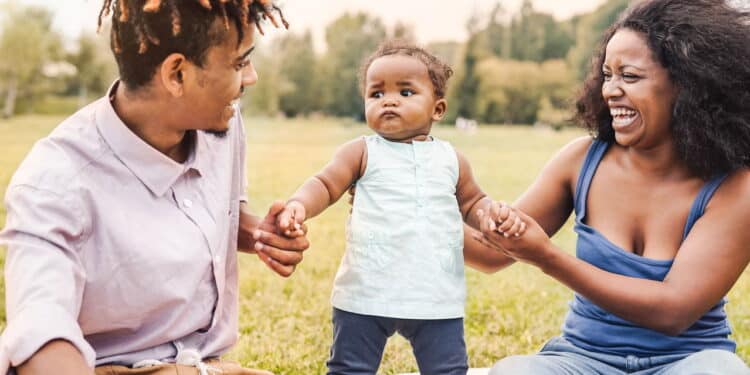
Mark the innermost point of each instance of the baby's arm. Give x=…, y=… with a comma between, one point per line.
x=471, y=200
x=326, y=187
x=468, y=193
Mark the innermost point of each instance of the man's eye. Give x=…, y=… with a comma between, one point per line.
x=407, y=92
x=377, y=94
x=243, y=64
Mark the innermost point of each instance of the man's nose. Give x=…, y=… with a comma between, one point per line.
x=249, y=75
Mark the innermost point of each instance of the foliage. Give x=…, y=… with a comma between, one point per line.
x=350, y=39
x=298, y=91
x=27, y=43
x=589, y=30
x=285, y=323
x=95, y=67
x=512, y=92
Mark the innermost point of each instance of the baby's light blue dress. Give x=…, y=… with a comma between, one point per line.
x=404, y=245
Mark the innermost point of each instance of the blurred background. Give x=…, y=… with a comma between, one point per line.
x=516, y=61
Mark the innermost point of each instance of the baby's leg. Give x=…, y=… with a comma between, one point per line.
x=358, y=342
x=438, y=345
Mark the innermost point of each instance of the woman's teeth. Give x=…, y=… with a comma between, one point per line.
x=622, y=116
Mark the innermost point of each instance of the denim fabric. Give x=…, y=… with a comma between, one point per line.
x=359, y=340
x=560, y=357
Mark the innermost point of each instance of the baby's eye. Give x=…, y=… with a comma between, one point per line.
x=376, y=94
x=407, y=92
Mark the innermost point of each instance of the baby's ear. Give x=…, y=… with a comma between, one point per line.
x=438, y=112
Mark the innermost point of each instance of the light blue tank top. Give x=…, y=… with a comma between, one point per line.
x=404, y=242
x=592, y=328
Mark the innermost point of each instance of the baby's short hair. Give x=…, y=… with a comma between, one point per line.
x=439, y=71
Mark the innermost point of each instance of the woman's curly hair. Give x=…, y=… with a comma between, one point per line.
x=705, y=47
x=145, y=32
x=439, y=71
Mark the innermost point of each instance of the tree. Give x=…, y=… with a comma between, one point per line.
x=26, y=44
x=589, y=31
x=350, y=39
x=95, y=67
x=297, y=73
x=467, y=88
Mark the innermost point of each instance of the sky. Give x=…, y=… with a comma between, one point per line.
x=432, y=20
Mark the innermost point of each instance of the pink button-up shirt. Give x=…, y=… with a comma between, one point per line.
x=117, y=248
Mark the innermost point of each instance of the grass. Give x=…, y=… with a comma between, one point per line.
x=285, y=323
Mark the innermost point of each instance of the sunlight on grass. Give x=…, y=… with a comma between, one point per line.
x=285, y=323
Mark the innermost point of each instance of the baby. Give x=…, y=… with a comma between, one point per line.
x=403, y=270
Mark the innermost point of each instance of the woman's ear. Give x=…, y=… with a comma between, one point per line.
x=172, y=72
x=439, y=110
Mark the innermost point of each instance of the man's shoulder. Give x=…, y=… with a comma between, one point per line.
x=55, y=161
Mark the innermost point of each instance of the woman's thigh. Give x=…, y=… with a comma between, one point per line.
x=557, y=357
x=707, y=362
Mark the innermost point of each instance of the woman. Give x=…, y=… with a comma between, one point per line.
x=661, y=196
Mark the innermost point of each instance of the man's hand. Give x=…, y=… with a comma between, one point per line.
x=264, y=238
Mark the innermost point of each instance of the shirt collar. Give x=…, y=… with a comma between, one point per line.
x=154, y=169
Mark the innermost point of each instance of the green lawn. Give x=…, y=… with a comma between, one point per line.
x=285, y=323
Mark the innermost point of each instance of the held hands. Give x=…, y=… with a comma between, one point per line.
x=512, y=232
x=263, y=237
x=291, y=220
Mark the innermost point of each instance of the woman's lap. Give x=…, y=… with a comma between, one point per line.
x=559, y=357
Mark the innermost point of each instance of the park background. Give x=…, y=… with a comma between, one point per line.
x=517, y=69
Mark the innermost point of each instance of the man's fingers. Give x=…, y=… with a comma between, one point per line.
x=276, y=207
x=281, y=269
x=280, y=242
x=283, y=257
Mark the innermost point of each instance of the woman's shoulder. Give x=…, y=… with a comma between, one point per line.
x=571, y=155
x=732, y=197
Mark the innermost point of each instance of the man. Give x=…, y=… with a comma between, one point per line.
x=123, y=224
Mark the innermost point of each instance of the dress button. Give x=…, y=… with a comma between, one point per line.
x=187, y=203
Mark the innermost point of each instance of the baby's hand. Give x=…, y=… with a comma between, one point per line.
x=291, y=218
x=505, y=220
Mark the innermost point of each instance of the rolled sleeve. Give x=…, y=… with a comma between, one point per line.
x=44, y=276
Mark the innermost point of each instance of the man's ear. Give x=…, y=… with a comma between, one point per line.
x=439, y=111
x=172, y=73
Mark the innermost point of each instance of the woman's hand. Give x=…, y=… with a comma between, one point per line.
x=514, y=233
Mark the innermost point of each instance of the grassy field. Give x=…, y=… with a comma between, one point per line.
x=285, y=323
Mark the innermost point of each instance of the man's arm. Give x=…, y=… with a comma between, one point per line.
x=44, y=279
x=57, y=357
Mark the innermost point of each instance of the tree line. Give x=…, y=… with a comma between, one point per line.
x=519, y=68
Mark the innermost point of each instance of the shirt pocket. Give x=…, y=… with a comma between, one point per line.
x=371, y=250
x=450, y=252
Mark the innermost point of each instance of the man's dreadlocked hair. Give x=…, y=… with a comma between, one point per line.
x=439, y=71
x=145, y=32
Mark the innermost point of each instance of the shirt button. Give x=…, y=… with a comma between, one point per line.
x=217, y=259
x=187, y=203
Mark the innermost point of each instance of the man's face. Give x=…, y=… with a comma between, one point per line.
x=212, y=98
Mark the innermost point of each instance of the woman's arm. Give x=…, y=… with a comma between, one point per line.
x=707, y=265
x=548, y=200
x=56, y=357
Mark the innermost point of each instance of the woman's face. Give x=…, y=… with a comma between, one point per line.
x=638, y=91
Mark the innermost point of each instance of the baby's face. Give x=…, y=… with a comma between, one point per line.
x=400, y=103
